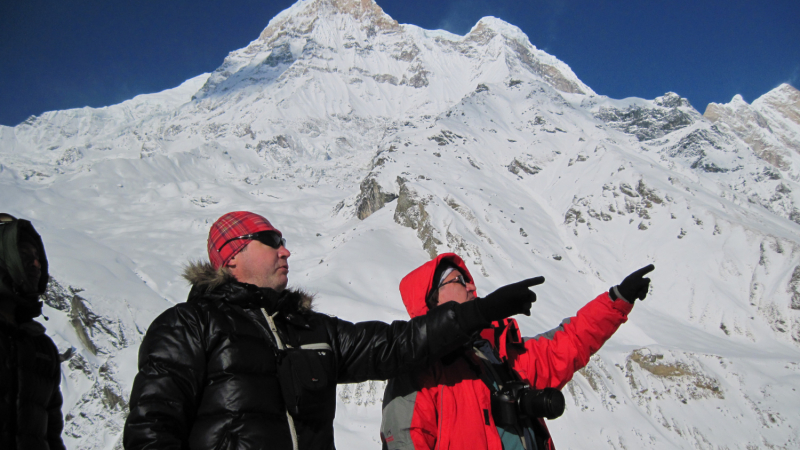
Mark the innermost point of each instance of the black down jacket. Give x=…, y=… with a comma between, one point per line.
x=208, y=368
x=30, y=398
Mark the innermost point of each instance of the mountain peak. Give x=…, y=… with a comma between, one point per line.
x=304, y=13
x=769, y=125
x=499, y=26
x=671, y=100
x=738, y=100
x=785, y=95
x=785, y=87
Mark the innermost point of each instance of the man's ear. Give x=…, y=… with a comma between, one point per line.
x=232, y=262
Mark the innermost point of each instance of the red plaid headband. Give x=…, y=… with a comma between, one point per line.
x=229, y=226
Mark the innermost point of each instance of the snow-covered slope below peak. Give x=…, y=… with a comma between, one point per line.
x=93, y=121
x=69, y=141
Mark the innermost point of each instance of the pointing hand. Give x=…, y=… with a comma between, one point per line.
x=634, y=286
x=509, y=300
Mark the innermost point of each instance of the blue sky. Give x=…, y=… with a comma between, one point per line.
x=57, y=54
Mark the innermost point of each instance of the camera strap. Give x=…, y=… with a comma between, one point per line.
x=502, y=384
x=496, y=373
x=501, y=381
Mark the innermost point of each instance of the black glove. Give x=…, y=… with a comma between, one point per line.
x=509, y=300
x=633, y=286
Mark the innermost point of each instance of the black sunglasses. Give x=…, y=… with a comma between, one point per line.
x=459, y=279
x=268, y=238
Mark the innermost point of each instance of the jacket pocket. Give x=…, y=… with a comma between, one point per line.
x=308, y=381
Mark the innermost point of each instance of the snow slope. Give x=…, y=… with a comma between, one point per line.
x=373, y=145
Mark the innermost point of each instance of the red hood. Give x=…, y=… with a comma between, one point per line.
x=415, y=286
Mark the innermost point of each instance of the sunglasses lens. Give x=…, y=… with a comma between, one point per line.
x=271, y=239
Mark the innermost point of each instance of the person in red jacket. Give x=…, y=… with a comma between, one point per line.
x=469, y=398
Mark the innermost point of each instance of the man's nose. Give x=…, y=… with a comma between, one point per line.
x=284, y=252
x=31, y=261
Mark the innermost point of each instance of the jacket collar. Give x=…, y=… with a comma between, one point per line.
x=220, y=284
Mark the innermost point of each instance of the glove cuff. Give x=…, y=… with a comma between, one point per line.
x=470, y=317
x=615, y=294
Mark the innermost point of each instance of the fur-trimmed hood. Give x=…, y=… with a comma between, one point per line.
x=203, y=275
x=207, y=281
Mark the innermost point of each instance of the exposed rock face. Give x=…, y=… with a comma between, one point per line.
x=672, y=100
x=91, y=426
x=651, y=123
x=547, y=72
x=691, y=380
x=371, y=198
x=96, y=418
x=782, y=107
x=695, y=147
x=518, y=166
x=410, y=212
x=751, y=127
x=95, y=332
x=623, y=200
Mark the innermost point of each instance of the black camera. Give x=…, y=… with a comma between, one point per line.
x=517, y=400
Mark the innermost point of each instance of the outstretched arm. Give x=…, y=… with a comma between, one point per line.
x=377, y=351
x=550, y=359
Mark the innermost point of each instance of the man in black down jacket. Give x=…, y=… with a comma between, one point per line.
x=30, y=369
x=246, y=363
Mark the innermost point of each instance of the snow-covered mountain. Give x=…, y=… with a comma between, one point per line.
x=374, y=145
x=771, y=125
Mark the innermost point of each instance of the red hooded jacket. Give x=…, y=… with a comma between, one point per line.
x=448, y=406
